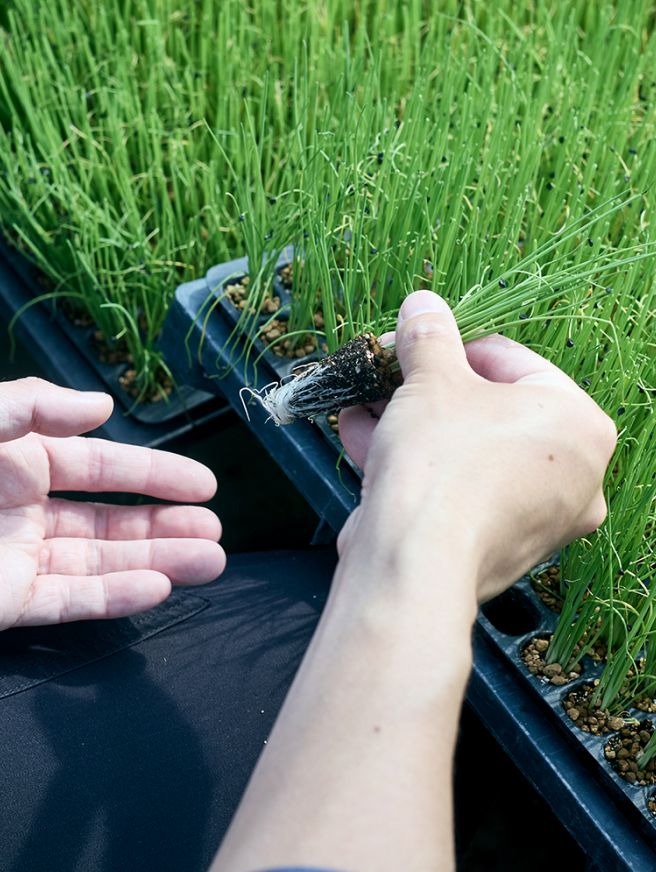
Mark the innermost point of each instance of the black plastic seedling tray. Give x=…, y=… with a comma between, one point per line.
x=608, y=817
x=200, y=349
x=522, y=611
x=63, y=358
x=567, y=777
x=181, y=402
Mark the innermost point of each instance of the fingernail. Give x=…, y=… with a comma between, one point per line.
x=421, y=303
x=91, y=397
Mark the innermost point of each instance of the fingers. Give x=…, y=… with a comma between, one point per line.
x=499, y=359
x=428, y=341
x=33, y=405
x=66, y=518
x=356, y=427
x=183, y=561
x=59, y=599
x=427, y=338
x=95, y=465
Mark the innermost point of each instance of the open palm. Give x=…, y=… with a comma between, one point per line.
x=62, y=560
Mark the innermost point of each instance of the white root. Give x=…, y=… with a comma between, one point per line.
x=247, y=393
x=356, y=373
x=304, y=394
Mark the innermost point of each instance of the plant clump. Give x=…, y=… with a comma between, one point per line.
x=547, y=585
x=362, y=371
x=534, y=655
x=501, y=155
x=586, y=712
x=239, y=295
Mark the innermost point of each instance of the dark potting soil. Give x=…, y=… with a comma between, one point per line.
x=534, y=655
x=588, y=715
x=623, y=750
x=78, y=316
x=116, y=354
x=237, y=293
x=546, y=585
x=272, y=333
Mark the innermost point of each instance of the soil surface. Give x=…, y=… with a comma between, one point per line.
x=645, y=704
x=623, y=749
x=589, y=716
x=546, y=585
x=597, y=651
x=238, y=293
x=286, y=276
x=73, y=312
x=272, y=333
x=117, y=354
x=534, y=656
x=113, y=353
x=165, y=387
x=651, y=805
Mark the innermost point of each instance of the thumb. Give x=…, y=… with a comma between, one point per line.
x=32, y=405
x=427, y=337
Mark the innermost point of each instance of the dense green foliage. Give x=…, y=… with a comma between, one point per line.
x=503, y=154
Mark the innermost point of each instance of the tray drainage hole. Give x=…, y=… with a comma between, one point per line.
x=512, y=613
x=534, y=654
x=623, y=750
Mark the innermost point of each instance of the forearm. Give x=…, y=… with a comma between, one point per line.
x=472, y=474
x=357, y=772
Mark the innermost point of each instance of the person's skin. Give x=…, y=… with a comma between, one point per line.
x=485, y=461
x=63, y=560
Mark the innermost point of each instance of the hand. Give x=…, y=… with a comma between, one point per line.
x=483, y=462
x=486, y=447
x=62, y=560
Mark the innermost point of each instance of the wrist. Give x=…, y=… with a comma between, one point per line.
x=407, y=600
x=424, y=567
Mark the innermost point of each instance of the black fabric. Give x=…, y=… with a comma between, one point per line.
x=29, y=657
x=126, y=745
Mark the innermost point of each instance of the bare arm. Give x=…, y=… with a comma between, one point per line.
x=482, y=464
x=358, y=771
